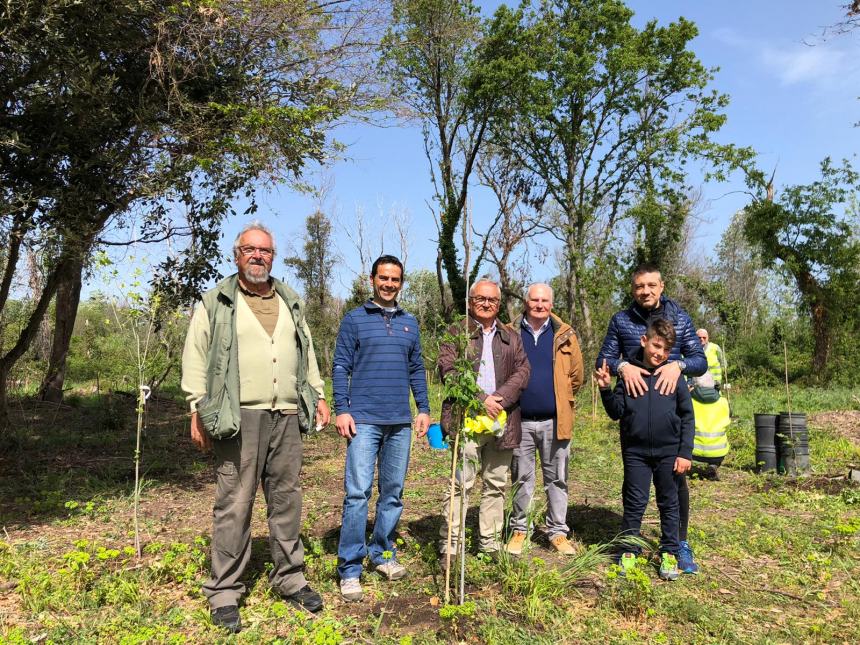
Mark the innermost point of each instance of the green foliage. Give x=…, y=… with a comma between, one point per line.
x=429, y=55
x=359, y=294
x=810, y=232
x=460, y=386
x=421, y=298
x=631, y=594
x=178, y=562
x=170, y=109
x=314, y=266
x=600, y=113
x=453, y=612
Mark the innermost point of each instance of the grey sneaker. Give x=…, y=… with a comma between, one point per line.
x=350, y=589
x=392, y=570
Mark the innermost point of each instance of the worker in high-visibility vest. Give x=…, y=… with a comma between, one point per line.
x=715, y=356
x=710, y=443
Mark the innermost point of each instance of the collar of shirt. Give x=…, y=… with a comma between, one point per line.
x=371, y=306
x=535, y=333
x=270, y=294
x=486, y=332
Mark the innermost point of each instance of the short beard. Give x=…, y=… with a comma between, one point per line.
x=250, y=278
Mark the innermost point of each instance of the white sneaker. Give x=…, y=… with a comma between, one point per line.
x=350, y=589
x=392, y=570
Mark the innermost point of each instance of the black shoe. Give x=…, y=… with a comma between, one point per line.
x=306, y=598
x=227, y=618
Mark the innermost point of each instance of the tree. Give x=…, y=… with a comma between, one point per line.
x=314, y=267
x=429, y=52
x=421, y=298
x=599, y=113
x=740, y=268
x=157, y=109
x=505, y=244
x=811, y=234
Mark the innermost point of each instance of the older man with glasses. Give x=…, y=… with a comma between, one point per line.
x=250, y=371
x=498, y=357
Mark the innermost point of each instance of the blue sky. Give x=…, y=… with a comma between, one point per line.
x=794, y=99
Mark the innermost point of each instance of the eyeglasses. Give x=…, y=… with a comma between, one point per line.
x=250, y=250
x=484, y=300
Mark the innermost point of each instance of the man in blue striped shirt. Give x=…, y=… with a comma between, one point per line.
x=377, y=362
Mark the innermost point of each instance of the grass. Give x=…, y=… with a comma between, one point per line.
x=779, y=556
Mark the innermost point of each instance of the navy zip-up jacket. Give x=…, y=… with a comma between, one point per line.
x=653, y=424
x=377, y=361
x=626, y=328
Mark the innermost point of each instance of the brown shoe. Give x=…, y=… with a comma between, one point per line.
x=564, y=546
x=515, y=544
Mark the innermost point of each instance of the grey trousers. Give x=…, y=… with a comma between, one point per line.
x=268, y=448
x=539, y=436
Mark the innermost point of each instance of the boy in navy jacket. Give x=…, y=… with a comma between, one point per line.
x=657, y=433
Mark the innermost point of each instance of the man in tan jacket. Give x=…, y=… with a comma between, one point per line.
x=547, y=406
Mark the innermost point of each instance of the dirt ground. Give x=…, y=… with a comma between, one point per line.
x=845, y=423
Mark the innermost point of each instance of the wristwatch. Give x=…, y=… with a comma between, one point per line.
x=682, y=365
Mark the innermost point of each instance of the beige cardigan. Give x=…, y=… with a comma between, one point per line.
x=267, y=366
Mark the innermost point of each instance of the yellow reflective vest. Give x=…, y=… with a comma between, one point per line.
x=712, y=420
x=714, y=354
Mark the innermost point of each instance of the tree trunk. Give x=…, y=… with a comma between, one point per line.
x=580, y=310
x=822, y=335
x=450, y=261
x=4, y=408
x=447, y=305
x=25, y=338
x=16, y=237
x=68, y=299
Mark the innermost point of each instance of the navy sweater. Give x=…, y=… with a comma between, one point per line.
x=377, y=360
x=538, y=399
x=653, y=425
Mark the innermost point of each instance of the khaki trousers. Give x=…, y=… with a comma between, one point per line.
x=268, y=449
x=495, y=465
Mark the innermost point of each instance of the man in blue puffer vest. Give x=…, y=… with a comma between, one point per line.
x=623, y=341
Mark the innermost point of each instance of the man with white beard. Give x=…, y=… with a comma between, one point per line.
x=254, y=386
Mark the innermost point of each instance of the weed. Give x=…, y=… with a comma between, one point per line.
x=177, y=562
x=631, y=594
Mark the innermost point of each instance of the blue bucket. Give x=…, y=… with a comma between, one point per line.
x=434, y=437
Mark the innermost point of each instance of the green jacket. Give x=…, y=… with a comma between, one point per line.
x=219, y=409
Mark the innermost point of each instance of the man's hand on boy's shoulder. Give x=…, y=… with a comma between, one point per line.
x=634, y=383
x=667, y=377
x=682, y=465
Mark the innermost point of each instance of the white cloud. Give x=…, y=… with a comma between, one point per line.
x=801, y=63
x=824, y=64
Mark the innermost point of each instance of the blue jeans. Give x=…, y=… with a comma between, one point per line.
x=388, y=447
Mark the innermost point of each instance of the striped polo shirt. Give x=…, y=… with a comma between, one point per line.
x=377, y=362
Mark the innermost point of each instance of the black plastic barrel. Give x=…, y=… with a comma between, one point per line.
x=765, y=448
x=792, y=444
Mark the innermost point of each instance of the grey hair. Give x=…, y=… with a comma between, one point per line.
x=540, y=284
x=485, y=281
x=255, y=225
